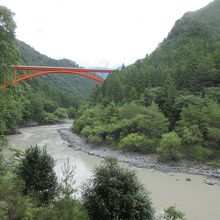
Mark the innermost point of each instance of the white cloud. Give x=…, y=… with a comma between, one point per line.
x=97, y=32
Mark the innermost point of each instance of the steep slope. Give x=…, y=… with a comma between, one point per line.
x=168, y=102
x=75, y=85
x=190, y=54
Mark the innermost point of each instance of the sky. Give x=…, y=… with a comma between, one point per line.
x=97, y=33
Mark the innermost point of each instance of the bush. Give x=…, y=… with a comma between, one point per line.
x=137, y=142
x=191, y=136
x=36, y=170
x=169, y=146
x=215, y=163
x=94, y=139
x=65, y=209
x=72, y=112
x=130, y=110
x=115, y=193
x=49, y=118
x=202, y=154
x=61, y=113
x=172, y=213
x=86, y=131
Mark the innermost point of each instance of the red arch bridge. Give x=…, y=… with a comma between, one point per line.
x=33, y=71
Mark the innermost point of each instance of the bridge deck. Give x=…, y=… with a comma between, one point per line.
x=50, y=68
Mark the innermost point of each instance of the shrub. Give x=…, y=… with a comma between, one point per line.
x=172, y=213
x=86, y=131
x=115, y=193
x=130, y=110
x=36, y=170
x=169, y=146
x=137, y=142
x=61, y=113
x=202, y=153
x=215, y=163
x=94, y=139
x=191, y=135
x=49, y=118
x=72, y=112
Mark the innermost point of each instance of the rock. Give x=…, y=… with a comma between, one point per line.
x=188, y=179
x=16, y=131
x=209, y=183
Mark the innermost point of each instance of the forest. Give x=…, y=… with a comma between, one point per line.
x=41, y=100
x=168, y=102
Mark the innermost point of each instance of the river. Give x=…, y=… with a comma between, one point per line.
x=196, y=199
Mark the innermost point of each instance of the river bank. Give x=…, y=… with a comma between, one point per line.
x=139, y=160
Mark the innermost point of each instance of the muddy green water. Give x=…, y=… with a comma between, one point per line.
x=196, y=199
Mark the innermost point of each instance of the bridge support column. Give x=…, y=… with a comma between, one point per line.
x=14, y=74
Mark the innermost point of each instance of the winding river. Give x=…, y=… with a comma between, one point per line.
x=195, y=198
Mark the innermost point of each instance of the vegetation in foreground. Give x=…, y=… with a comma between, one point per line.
x=29, y=189
x=115, y=193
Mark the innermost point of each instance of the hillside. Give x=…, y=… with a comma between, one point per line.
x=168, y=102
x=74, y=85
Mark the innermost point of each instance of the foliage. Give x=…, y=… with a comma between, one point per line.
x=169, y=146
x=205, y=120
x=130, y=110
x=202, y=154
x=8, y=51
x=136, y=142
x=215, y=163
x=61, y=113
x=72, y=112
x=115, y=193
x=94, y=139
x=172, y=213
x=35, y=100
x=11, y=111
x=16, y=205
x=123, y=125
x=49, y=118
x=36, y=170
x=174, y=89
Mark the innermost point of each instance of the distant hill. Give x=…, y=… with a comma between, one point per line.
x=75, y=85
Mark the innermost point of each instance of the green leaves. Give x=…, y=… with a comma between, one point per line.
x=115, y=193
x=170, y=146
x=123, y=124
x=7, y=23
x=36, y=170
x=8, y=51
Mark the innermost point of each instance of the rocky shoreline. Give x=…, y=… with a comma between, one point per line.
x=136, y=159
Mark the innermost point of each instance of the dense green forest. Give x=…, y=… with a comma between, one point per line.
x=45, y=99
x=167, y=102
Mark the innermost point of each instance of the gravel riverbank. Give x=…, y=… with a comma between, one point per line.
x=135, y=159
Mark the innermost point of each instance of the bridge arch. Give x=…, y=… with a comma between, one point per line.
x=95, y=78
x=33, y=71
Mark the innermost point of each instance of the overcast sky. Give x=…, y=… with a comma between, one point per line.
x=103, y=33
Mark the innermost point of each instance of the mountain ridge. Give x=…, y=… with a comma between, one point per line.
x=168, y=102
